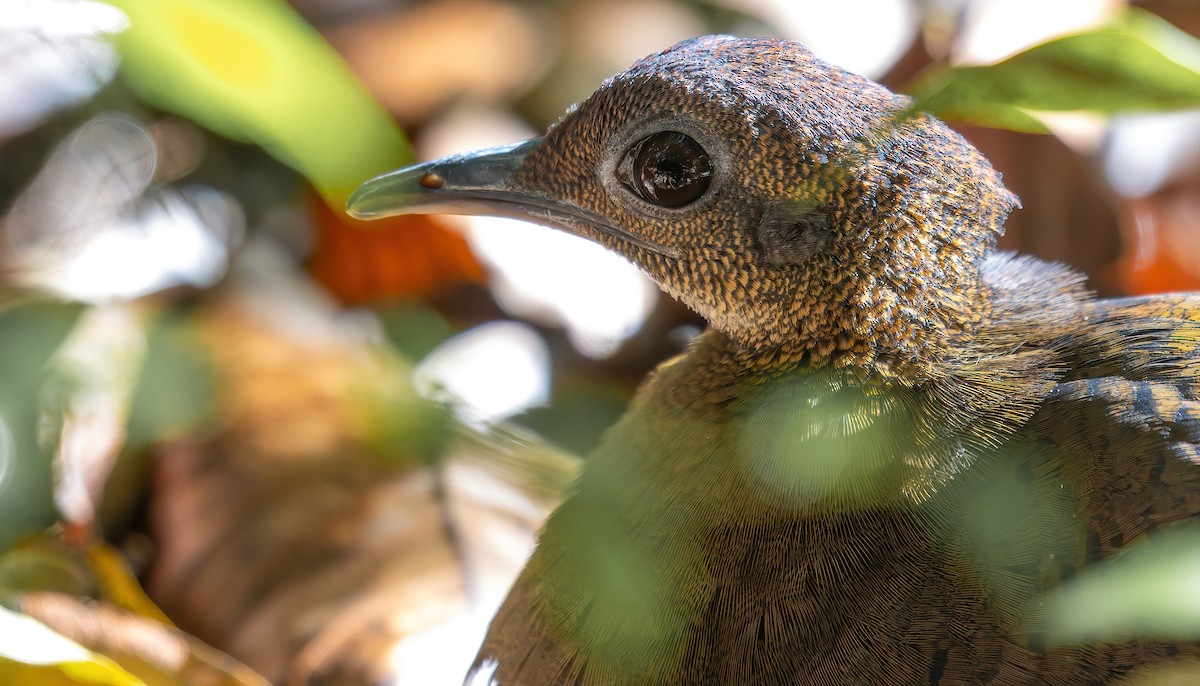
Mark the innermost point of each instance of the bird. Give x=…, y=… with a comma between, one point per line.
x=891, y=441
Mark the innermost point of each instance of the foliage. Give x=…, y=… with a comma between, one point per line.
x=1136, y=64
x=255, y=71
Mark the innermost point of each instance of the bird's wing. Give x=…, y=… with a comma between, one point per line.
x=1127, y=416
x=1124, y=427
x=1111, y=452
x=1111, y=448
x=1121, y=428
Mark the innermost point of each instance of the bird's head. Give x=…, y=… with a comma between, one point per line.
x=804, y=211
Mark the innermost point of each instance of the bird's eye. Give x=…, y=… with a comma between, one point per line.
x=668, y=169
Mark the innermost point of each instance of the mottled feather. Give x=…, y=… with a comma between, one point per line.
x=892, y=442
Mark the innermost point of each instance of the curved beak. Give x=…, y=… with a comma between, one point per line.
x=481, y=183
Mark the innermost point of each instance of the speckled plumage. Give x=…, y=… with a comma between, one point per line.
x=765, y=586
x=787, y=130
x=892, y=440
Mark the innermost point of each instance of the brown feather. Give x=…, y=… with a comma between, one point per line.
x=891, y=444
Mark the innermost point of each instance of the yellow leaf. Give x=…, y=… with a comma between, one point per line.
x=253, y=70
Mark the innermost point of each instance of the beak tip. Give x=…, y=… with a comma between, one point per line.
x=363, y=204
x=460, y=184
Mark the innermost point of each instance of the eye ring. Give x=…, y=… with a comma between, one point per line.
x=667, y=168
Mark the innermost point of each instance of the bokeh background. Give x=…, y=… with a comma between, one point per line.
x=235, y=422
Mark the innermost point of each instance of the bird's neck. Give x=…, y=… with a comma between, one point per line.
x=901, y=282
x=735, y=426
x=899, y=329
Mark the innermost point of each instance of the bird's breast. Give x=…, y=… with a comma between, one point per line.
x=754, y=534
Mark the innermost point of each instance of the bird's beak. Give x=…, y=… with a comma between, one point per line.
x=480, y=183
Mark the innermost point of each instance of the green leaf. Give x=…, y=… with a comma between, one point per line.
x=582, y=410
x=1147, y=591
x=1138, y=63
x=254, y=70
x=175, y=391
x=414, y=329
x=30, y=333
x=404, y=427
x=31, y=652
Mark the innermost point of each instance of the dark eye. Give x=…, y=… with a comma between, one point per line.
x=668, y=169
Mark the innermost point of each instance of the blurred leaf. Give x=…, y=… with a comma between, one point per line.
x=175, y=389
x=1147, y=591
x=43, y=563
x=255, y=71
x=1013, y=522
x=414, y=329
x=88, y=594
x=121, y=380
x=29, y=334
x=85, y=403
x=410, y=256
x=31, y=652
x=47, y=563
x=1138, y=63
x=151, y=652
x=120, y=586
x=579, y=414
x=408, y=428
x=847, y=435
